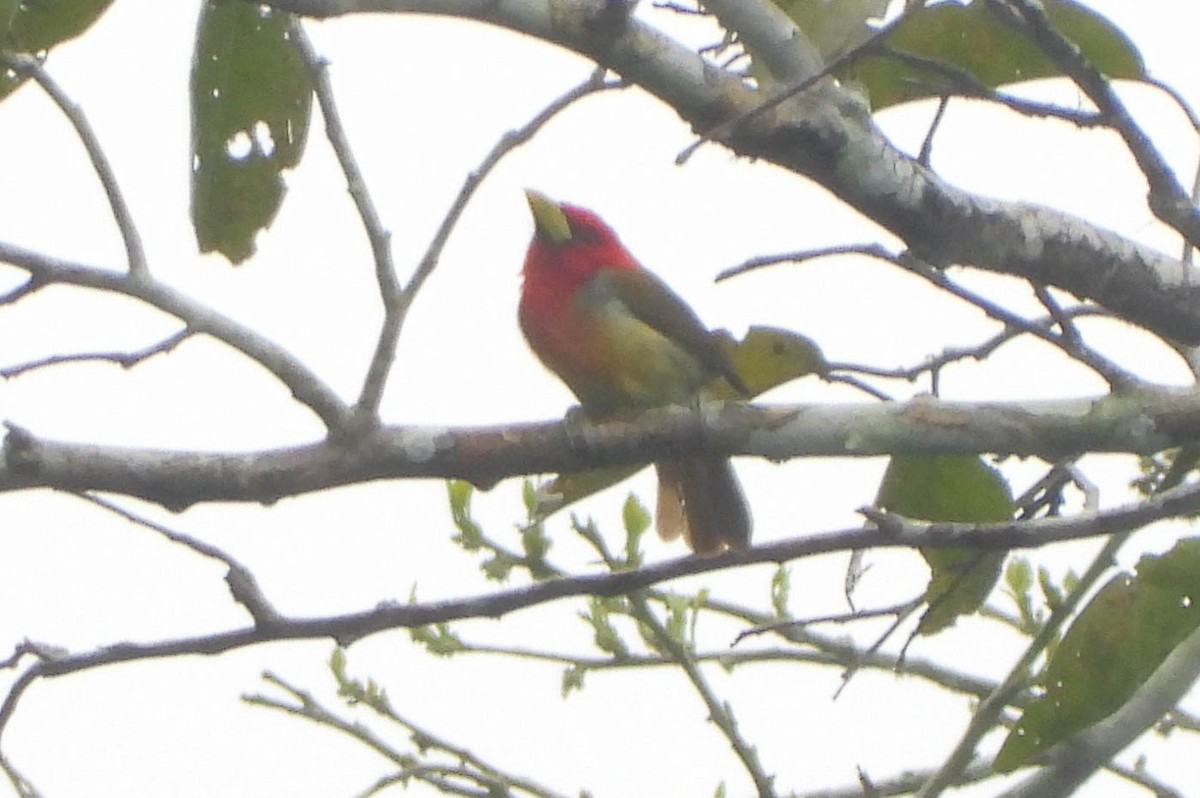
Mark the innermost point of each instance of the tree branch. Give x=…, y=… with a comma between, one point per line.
x=1145, y=422
x=835, y=143
x=306, y=387
x=29, y=66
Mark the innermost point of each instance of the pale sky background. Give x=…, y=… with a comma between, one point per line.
x=423, y=100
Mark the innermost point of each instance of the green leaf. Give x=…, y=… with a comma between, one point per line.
x=8, y=8
x=1018, y=578
x=470, y=534
x=970, y=39
x=572, y=679
x=251, y=95
x=637, y=520
x=36, y=26
x=781, y=590
x=834, y=26
x=438, y=639
x=765, y=358
x=950, y=488
x=535, y=543
x=604, y=633
x=1116, y=643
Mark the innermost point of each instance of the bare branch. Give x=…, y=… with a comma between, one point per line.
x=125, y=360
x=891, y=532
x=29, y=66
x=469, y=768
x=1148, y=421
x=242, y=584
x=1069, y=341
x=397, y=307
x=306, y=387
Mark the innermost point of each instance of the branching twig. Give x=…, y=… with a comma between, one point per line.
x=719, y=712
x=240, y=579
x=1069, y=343
x=470, y=768
x=841, y=617
x=305, y=386
x=379, y=238
x=1116, y=377
x=29, y=66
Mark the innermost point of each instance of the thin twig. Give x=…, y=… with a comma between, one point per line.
x=22, y=785
x=367, y=407
x=19, y=292
x=385, y=350
x=125, y=360
x=1116, y=377
x=469, y=768
x=242, y=584
x=1157, y=787
x=965, y=84
x=891, y=531
x=306, y=387
x=719, y=712
x=27, y=65
x=841, y=617
x=954, y=354
x=721, y=131
x=1168, y=200
x=926, y=154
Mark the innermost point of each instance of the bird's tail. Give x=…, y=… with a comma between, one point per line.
x=700, y=499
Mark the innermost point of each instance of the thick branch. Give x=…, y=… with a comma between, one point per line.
x=1146, y=423
x=827, y=135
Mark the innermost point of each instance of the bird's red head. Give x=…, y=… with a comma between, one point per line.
x=569, y=245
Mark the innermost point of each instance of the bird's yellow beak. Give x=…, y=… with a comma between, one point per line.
x=549, y=221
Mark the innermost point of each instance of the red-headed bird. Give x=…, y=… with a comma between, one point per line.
x=623, y=341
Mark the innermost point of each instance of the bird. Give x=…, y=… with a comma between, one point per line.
x=623, y=341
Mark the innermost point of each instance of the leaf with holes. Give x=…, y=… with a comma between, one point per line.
x=251, y=96
x=1112, y=648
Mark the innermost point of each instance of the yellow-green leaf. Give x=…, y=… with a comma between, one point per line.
x=834, y=25
x=251, y=94
x=972, y=40
x=950, y=488
x=1116, y=643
